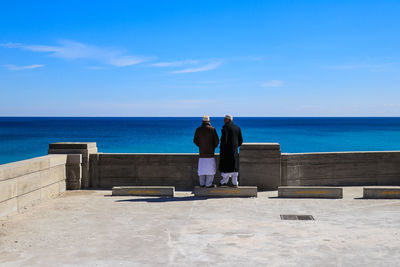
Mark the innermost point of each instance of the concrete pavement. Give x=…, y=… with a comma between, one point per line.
x=91, y=228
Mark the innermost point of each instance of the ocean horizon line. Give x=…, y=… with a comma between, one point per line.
x=199, y=116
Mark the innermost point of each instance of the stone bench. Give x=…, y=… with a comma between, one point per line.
x=309, y=192
x=241, y=191
x=156, y=191
x=387, y=192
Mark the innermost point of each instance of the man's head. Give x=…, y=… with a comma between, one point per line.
x=206, y=118
x=228, y=118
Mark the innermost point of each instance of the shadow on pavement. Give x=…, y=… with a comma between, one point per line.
x=161, y=199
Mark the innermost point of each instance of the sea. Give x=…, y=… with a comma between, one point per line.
x=26, y=137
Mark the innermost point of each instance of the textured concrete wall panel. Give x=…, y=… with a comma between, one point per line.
x=26, y=182
x=341, y=168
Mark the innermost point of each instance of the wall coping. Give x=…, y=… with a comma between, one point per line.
x=23, y=167
x=72, y=145
x=339, y=152
x=151, y=154
x=260, y=146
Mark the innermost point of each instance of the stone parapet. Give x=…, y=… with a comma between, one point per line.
x=178, y=170
x=27, y=182
x=74, y=171
x=341, y=168
x=260, y=165
x=83, y=148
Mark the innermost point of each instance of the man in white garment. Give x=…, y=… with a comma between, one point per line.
x=206, y=138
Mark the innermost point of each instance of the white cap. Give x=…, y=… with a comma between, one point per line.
x=229, y=117
x=206, y=118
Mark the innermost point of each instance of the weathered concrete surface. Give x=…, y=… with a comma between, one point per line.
x=382, y=192
x=27, y=182
x=178, y=170
x=310, y=192
x=74, y=171
x=241, y=191
x=341, y=168
x=83, y=148
x=161, y=191
x=89, y=228
x=260, y=165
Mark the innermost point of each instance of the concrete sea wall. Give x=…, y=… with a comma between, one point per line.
x=341, y=168
x=109, y=169
x=27, y=182
x=78, y=165
x=259, y=165
x=262, y=165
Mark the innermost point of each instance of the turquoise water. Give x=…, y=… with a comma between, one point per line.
x=22, y=138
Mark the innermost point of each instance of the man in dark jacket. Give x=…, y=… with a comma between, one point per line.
x=206, y=138
x=231, y=139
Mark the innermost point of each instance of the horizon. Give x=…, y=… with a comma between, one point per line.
x=199, y=117
x=165, y=59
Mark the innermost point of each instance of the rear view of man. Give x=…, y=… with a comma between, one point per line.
x=206, y=138
x=231, y=139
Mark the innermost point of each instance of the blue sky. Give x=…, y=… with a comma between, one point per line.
x=189, y=58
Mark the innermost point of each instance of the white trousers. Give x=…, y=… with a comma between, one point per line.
x=206, y=180
x=226, y=175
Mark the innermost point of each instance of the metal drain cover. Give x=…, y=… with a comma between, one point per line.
x=297, y=217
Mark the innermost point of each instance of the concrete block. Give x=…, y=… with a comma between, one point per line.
x=56, y=160
x=83, y=148
x=241, y=191
x=83, y=152
x=160, y=191
x=309, y=192
x=50, y=191
x=62, y=186
x=73, y=176
x=261, y=146
x=58, y=173
x=74, y=159
x=29, y=199
x=72, y=145
x=8, y=207
x=52, y=175
x=28, y=183
x=381, y=192
x=8, y=189
x=260, y=164
x=19, y=168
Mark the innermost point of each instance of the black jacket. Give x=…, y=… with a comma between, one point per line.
x=206, y=138
x=231, y=139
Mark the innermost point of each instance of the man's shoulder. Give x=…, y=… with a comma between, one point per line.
x=205, y=127
x=235, y=126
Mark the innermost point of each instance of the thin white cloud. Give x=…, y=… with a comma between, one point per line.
x=273, y=83
x=14, y=67
x=75, y=50
x=210, y=66
x=125, y=61
x=175, y=63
